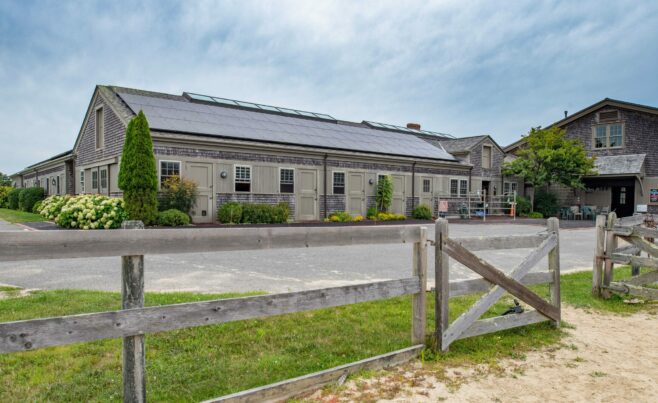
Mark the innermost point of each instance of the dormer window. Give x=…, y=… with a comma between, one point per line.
x=100, y=129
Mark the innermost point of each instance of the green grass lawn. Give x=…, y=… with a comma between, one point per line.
x=205, y=362
x=15, y=216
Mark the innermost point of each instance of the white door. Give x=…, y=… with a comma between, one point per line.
x=356, y=193
x=201, y=174
x=426, y=190
x=307, y=196
x=399, y=204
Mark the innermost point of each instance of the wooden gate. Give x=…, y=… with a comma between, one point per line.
x=468, y=325
x=609, y=230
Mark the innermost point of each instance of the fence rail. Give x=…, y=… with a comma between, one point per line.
x=609, y=230
x=133, y=321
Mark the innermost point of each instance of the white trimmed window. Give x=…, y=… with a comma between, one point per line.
x=103, y=178
x=94, y=180
x=242, y=178
x=339, y=183
x=82, y=181
x=287, y=180
x=427, y=185
x=608, y=136
x=454, y=187
x=99, y=128
x=169, y=169
x=486, y=157
x=463, y=187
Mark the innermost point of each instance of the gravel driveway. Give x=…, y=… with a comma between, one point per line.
x=284, y=269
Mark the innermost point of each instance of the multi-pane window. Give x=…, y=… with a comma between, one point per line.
x=82, y=181
x=242, y=178
x=58, y=188
x=287, y=180
x=94, y=180
x=339, y=183
x=463, y=187
x=486, y=157
x=103, y=178
x=454, y=187
x=168, y=169
x=100, y=128
x=427, y=186
x=608, y=136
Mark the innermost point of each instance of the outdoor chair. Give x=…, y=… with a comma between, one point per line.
x=565, y=213
x=575, y=211
x=588, y=213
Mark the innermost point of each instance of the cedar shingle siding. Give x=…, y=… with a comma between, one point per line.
x=114, y=136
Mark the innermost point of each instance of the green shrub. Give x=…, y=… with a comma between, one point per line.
x=340, y=216
x=137, y=174
x=4, y=196
x=384, y=196
x=178, y=193
x=92, y=212
x=390, y=217
x=372, y=212
x=173, y=218
x=230, y=213
x=264, y=213
x=422, y=212
x=37, y=207
x=535, y=214
x=523, y=206
x=52, y=206
x=13, y=197
x=28, y=197
x=280, y=212
x=546, y=203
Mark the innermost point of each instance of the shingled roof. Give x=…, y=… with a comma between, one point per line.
x=627, y=164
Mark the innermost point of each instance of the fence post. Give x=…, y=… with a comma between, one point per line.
x=610, y=246
x=132, y=296
x=418, y=303
x=554, y=267
x=441, y=284
x=597, y=273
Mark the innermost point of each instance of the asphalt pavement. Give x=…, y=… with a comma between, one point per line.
x=284, y=270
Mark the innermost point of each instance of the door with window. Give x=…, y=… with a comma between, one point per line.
x=399, y=204
x=201, y=174
x=307, y=197
x=623, y=200
x=426, y=191
x=104, y=188
x=356, y=193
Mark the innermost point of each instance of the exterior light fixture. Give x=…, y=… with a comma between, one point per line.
x=371, y=181
x=223, y=174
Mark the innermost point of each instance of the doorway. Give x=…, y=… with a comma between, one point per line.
x=307, y=204
x=623, y=200
x=356, y=193
x=201, y=173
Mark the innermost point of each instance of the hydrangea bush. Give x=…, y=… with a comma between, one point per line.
x=92, y=212
x=52, y=206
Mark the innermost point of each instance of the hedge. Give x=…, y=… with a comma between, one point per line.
x=29, y=197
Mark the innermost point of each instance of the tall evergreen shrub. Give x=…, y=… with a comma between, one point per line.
x=384, y=196
x=138, y=178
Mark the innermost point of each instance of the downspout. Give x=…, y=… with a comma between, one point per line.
x=413, y=186
x=324, y=196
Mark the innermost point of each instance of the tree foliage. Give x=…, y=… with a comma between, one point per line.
x=384, y=195
x=138, y=176
x=550, y=158
x=5, y=180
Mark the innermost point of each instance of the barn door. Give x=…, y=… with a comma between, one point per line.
x=201, y=174
x=356, y=193
x=399, y=203
x=307, y=199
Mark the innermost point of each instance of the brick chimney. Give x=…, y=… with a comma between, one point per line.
x=413, y=126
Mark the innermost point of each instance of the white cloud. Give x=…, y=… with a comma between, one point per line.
x=461, y=67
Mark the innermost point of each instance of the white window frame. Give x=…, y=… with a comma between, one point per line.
x=100, y=178
x=82, y=181
x=465, y=193
x=235, y=177
x=294, y=181
x=422, y=185
x=180, y=170
x=450, y=186
x=95, y=171
x=608, y=127
x=99, y=134
x=333, y=182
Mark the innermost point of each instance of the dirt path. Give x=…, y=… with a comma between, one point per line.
x=601, y=360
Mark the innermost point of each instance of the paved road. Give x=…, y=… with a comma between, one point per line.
x=283, y=269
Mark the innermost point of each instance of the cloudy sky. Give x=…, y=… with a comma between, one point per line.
x=461, y=67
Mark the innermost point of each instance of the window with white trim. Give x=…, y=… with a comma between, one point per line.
x=463, y=187
x=486, y=156
x=103, y=178
x=454, y=187
x=82, y=181
x=99, y=128
x=94, y=180
x=287, y=180
x=339, y=183
x=169, y=169
x=242, y=178
x=608, y=136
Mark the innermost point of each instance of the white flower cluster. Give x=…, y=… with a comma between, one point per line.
x=87, y=212
x=51, y=206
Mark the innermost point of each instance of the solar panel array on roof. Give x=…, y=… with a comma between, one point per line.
x=387, y=126
x=214, y=120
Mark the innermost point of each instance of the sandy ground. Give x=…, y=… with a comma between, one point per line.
x=605, y=358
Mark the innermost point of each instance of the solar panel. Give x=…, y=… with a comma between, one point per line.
x=255, y=106
x=244, y=123
x=405, y=129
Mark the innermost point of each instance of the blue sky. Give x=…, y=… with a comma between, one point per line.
x=461, y=67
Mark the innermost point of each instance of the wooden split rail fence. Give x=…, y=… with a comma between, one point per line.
x=609, y=231
x=133, y=321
